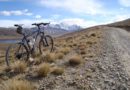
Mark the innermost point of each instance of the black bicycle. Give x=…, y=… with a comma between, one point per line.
x=27, y=47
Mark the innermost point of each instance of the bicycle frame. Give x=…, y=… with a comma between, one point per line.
x=25, y=40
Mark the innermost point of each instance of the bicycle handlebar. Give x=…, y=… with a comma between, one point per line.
x=38, y=24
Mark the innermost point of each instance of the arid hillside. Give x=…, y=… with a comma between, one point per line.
x=96, y=58
x=125, y=24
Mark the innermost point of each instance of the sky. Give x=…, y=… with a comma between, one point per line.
x=84, y=13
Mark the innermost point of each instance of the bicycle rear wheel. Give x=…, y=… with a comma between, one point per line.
x=46, y=44
x=16, y=52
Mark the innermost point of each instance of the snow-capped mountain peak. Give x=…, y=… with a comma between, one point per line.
x=66, y=26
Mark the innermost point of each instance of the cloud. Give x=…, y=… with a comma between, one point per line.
x=78, y=21
x=125, y=3
x=38, y=16
x=119, y=17
x=55, y=16
x=79, y=6
x=16, y=12
x=70, y=21
x=26, y=22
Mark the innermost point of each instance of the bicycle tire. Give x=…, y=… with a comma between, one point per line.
x=16, y=52
x=46, y=43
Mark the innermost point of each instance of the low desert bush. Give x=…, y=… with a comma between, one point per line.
x=74, y=44
x=93, y=34
x=82, y=47
x=82, y=52
x=75, y=60
x=89, y=42
x=4, y=68
x=59, y=55
x=50, y=57
x=43, y=70
x=65, y=50
x=57, y=71
x=37, y=61
x=14, y=84
x=19, y=67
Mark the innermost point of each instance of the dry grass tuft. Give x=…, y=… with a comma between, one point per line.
x=4, y=68
x=59, y=55
x=50, y=57
x=93, y=34
x=75, y=60
x=82, y=47
x=82, y=52
x=43, y=70
x=14, y=84
x=37, y=61
x=57, y=71
x=19, y=67
x=65, y=50
x=89, y=42
x=74, y=44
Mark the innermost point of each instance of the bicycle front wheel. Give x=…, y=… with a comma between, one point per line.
x=16, y=52
x=46, y=44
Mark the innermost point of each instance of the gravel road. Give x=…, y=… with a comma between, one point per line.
x=114, y=64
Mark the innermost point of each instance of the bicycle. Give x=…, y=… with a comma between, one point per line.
x=26, y=47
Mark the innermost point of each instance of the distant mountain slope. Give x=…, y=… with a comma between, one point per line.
x=53, y=29
x=8, y=32
x=125, y=24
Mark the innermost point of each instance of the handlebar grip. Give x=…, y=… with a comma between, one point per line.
x=16, y=25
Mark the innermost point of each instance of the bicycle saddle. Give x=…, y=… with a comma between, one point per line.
x=19, y=28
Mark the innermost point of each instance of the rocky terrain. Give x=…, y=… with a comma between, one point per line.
x=91, y=59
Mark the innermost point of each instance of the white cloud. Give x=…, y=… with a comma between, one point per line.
x=70, y=21
x=55, y=16
x=125, y=3
x=26, y=22
x=78, y=21
x=15, y=12
x=5, y=13
x=38, y=16
x=77, y=6
x=119, y=17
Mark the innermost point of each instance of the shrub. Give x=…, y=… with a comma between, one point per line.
x=89, y=42
x=14, y=84
x=19, y=67
x=57, y=71
x=59, y=55
x=82, y=47
x=75, y=60
x=93, y=34
x=50, y=57
x=37, y=61
x=65, y=50
x=43, y=70
x=82, y=52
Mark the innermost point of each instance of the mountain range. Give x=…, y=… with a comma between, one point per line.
x=52, y=29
